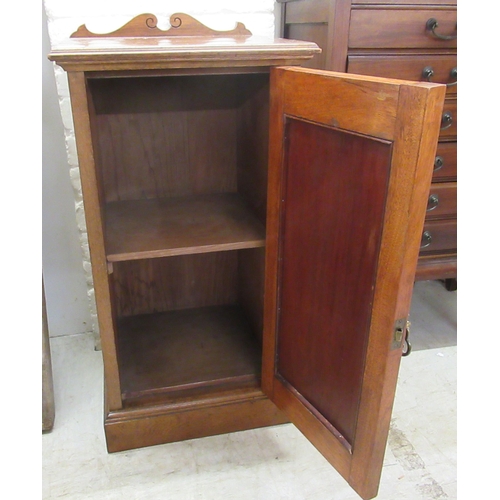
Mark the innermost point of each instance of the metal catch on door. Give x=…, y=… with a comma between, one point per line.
x=401, y=336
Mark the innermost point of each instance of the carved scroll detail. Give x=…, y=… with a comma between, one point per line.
x=145, y=25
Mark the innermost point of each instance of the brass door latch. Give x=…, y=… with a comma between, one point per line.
x=402, y=335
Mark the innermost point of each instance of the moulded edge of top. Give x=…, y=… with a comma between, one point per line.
x=87, y=54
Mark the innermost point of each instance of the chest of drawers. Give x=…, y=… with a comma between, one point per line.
x=410, y=40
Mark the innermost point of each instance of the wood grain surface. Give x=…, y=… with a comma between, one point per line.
x=145, y=25
x=333, y=217
x=374, y=110
x=142, y=229
x=173, y=283
x=186, y=349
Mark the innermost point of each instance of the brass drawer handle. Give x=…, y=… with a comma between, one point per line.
x=432, y=24
x=426, y=239
x=446, y=121
x=453, y=74
x=432, y=202
x=438, y=163
x=428, y=73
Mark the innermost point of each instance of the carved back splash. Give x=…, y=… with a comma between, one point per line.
x=145, y=25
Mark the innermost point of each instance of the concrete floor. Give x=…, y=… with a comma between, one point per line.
x=275, y=463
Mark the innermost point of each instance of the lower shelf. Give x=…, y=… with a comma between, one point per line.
x=187, y=374
x=178, y=353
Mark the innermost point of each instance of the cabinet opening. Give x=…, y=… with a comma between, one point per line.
x=182, y=171
x=188, y=325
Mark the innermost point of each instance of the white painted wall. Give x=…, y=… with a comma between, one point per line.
x=65, y=283
x=66, y=262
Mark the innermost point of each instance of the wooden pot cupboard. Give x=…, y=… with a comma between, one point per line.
x=408, y=39
x=253, y=229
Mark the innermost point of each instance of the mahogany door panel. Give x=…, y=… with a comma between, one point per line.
x=322, y=356
x=351, y=160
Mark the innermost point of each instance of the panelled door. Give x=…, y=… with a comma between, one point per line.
x=350, y=166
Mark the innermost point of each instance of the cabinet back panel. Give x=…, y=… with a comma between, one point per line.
x=174, y=283
x=170, y=136
x=168, y=93
x=155, y=155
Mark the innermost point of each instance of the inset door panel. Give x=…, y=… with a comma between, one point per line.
x=333, y=209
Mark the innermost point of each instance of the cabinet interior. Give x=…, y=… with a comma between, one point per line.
x=182, y=175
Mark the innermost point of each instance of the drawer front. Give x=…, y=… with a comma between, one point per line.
x=433, y=3
x=445, y=163
x=433, y=68
x=404, y=28
x=449, y=120
x=439, y=237
x=442, y=200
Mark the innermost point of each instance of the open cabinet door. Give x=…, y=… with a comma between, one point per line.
x=350, y=167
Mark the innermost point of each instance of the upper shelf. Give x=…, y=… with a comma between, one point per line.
x=141, y=229
x=139, y=44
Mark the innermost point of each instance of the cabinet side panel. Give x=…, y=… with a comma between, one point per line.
x=80, y=104
x=252, y=143
x=251, y=269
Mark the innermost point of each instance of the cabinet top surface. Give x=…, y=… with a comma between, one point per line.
x=142, y=52
x=141, y=45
